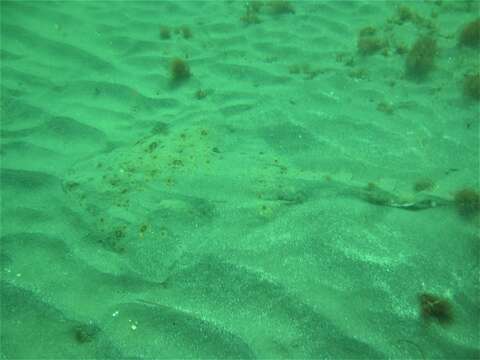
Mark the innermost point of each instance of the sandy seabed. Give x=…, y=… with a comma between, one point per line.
x=291, y=198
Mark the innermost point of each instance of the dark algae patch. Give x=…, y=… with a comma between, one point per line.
x=369, y=42
x=435, y=308
x=467, y=202
x=471, y=86
x=420, y=59
x=470, y=34
x=85, y=333
x=179, y=70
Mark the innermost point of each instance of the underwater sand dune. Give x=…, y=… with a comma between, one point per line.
x=235, y=180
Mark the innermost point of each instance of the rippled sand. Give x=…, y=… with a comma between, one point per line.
x=263, y=207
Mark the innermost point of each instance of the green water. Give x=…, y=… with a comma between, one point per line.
x=240, y=179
